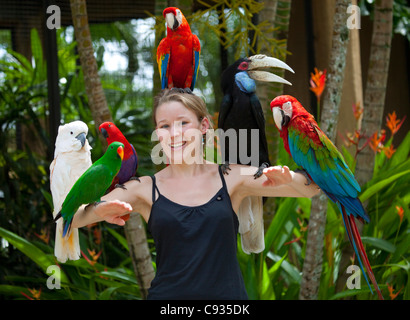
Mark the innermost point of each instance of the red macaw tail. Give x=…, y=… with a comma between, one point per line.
x=357, y=244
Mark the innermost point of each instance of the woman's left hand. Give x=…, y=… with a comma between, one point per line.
x=277, y=176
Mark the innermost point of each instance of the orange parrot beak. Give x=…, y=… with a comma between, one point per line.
x=120, y=152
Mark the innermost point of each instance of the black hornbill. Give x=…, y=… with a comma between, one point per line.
x=241, y=109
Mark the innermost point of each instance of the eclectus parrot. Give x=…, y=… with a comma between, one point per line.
x=130, y=161
x=178, y=53
x=311, y=149
x=241, y=109
x=72, y=157
x=92, y=184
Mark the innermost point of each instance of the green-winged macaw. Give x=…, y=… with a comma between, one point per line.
x=311, y=149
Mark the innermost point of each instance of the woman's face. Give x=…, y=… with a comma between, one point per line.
x=180, y=132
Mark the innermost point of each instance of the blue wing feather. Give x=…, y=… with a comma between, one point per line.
x=164, y=68
x=196, y=66
x=338, y=183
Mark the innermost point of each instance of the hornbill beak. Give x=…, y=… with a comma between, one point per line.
x=262, y=61
x=82, y=137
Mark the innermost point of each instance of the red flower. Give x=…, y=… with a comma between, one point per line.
x=318, y=82
x=357, y=110
x=376, y=140
x=400, y=212
x=389, y=151
x=393, y=123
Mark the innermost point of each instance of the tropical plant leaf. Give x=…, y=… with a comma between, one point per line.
x=39, y=257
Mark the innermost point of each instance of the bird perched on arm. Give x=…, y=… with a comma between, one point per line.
x=92, y=184
x=72, y=157
x=178, y=53
x=130, y=162
x=311, y=149
x=241, y=111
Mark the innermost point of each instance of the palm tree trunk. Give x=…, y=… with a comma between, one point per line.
x=160, y=5
x=93, y=87
x=312, y=266
x=134, y=228
x=139, y=251
x=375, y=90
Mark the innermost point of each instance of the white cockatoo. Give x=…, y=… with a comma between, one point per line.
x=72, y=157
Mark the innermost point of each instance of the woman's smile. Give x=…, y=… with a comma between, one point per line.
x=177, y=145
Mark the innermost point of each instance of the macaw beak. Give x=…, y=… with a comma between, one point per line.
x=82, y=137
x=171, y=20
x=104, y=133
x=120, y=151
x=261, y=61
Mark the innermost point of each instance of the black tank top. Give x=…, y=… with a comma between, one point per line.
x=196, y=249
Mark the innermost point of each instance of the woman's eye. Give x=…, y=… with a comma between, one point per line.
x=164, y=126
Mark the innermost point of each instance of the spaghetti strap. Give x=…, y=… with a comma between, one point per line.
x=222, y=178
x=154, y=187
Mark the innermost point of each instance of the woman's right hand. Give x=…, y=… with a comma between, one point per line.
x=113, y=211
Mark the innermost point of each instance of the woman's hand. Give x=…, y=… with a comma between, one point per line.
x=113, y=211
x=277, y=176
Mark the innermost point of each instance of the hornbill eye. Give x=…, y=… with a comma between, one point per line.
x=243, y=66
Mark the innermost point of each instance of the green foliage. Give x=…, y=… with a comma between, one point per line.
x=276, y=273
x=78, y=280
x=25, y=199
x=105, y=271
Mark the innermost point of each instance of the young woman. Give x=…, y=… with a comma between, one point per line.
x=190, y=206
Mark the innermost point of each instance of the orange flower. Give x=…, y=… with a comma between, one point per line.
x=214, y=119
x=393, y=123
x=97, y=235
x=400, y=212
x=357, y=110
x=376, y=140
x=94, y=256
x=318, y=82
x=391, y=290
x=35, y=294
x=44, y=235
x=389, y=151
x=353, y=138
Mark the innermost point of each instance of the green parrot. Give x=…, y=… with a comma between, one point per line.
x=92, y=184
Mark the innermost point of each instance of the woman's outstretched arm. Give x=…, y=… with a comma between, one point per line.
x=117, y=203
x=275, y=181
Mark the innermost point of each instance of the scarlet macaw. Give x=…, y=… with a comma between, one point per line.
x=311, y=149
x=241, y=111
x=178, y=53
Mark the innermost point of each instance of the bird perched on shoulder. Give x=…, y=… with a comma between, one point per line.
x=178, y=53
x=92, y=185
x=72, y=157
x=241, y=111
x=311, y=149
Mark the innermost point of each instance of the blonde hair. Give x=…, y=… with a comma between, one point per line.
x=186, y=98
